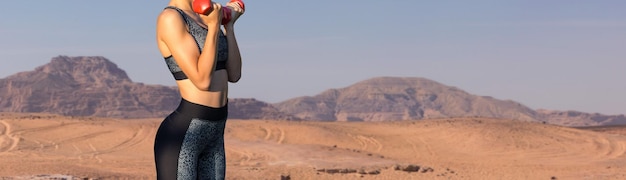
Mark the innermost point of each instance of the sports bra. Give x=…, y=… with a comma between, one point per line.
x=199, y=34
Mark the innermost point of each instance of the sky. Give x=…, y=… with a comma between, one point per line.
x=557, y=54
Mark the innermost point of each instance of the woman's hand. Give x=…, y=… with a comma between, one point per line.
x=214, y=18
x=237, y=11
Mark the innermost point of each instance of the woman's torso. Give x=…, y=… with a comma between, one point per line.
x=217, y=95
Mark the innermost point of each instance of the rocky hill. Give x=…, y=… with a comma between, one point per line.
x=411, y=98
x=95, y=86
x=394, y=98
x=83, y=86
x=250, y=108
x=577, y=118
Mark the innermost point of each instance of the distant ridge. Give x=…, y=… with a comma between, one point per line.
x=414, y=98
x=250, y=108
x=577, y=118
x=95, y=86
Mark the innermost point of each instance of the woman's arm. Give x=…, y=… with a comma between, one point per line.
x=233, y=65
x=197, y=66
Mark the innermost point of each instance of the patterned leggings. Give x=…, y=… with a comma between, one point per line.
x=189, y=143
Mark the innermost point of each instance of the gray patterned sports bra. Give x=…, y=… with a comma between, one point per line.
x=199, y=34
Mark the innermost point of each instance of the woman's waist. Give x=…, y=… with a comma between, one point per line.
x=215, y=99
x=194, y=110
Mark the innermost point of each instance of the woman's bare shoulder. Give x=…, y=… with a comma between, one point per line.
x=169, y=16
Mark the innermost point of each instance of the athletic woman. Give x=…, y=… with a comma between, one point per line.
x=203, y=56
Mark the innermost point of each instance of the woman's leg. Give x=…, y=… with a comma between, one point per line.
x=212, y=164
x=191, y=148
x=168, y=144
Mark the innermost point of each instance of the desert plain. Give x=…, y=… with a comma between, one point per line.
x=47, y=146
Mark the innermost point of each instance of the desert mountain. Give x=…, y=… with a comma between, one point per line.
x=83, y=86
x=95, y=86
x=394, y=98
x=410, y=98
x=577, y=118
x=250, y=108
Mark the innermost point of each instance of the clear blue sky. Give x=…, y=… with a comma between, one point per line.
x=557, y=54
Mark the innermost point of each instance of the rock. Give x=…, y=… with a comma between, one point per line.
x=407, y=168
x=369, y=172
x=427, y=169
x=341, y=171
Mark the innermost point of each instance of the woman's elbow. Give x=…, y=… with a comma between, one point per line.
x=234, y=78
x=202, y=85
x=202, y=88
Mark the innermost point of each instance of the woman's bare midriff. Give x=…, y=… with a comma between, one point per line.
x=216, y=96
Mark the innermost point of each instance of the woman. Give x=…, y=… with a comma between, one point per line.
x=203, y=58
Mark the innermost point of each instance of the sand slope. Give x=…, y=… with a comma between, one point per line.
x=469, y=148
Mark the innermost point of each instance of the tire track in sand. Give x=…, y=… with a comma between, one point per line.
x=71, y=140
x=423, y=146
x=13, y=137
x=610, y=148
x=365, y=142
x=361, y=143
x=248, y=153
x=379, y=146
x=244, y=156
x=95, y=155
x=551, y=145
x=138, y=137
x=270, y=134
x=8, y=141
x=44, y=128
x=281, y=138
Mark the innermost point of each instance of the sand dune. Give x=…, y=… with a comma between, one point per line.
x=463, y=148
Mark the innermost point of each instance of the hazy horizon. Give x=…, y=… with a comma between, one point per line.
x=558, y=55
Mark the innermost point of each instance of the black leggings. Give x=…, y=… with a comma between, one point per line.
x=189, y=143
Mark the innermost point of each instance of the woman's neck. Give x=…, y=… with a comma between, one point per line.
x=182, y=4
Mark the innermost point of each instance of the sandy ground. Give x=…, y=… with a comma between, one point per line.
x=41, y=146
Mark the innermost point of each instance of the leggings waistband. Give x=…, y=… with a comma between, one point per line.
x=194, y=110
